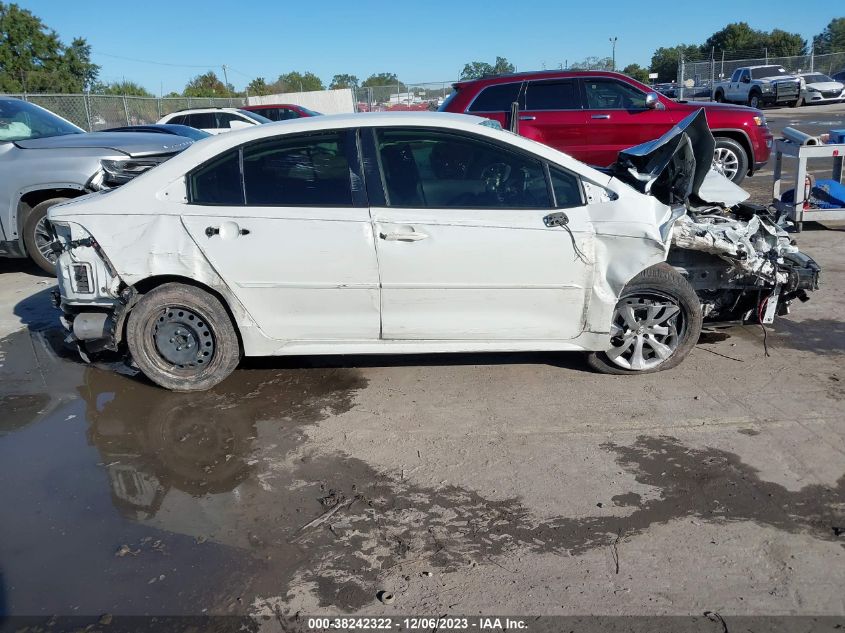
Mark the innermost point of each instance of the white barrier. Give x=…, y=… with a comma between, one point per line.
x=325, y=101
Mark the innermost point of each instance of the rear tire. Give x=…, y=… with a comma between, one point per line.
x=37, y=239
x=182, y=338
x=656, y=323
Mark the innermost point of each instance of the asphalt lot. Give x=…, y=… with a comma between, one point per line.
x=462, y=484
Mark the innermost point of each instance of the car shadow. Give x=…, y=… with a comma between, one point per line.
x=21, y=265
x=36, y=311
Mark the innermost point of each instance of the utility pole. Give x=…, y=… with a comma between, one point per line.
x=613, y=58
x=225, y=78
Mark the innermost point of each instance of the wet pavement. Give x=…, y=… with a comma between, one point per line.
x=518, y=483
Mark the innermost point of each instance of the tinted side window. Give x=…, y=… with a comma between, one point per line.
x=178, y=120
x=225, y=118
x=567, y=188
x=609, y=94
x=202, y=120
x=286, y=113
x=431, y=169
x=218, y=182
x=270, y=113
x=552, y=95
x=735, y=76
x=308, y=170
x=496, y=98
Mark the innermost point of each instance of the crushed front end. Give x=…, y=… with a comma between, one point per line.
x=743, y=265
x=737, y=256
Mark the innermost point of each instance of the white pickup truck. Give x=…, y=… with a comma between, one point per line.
x=758, y=86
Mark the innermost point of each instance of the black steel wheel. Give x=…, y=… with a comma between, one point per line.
x=181, y=337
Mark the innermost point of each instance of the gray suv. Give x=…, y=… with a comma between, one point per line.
x=45, y=159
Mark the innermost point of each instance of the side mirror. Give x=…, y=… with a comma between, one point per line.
x=234, y=124
x=746, y=79
x=652, y=101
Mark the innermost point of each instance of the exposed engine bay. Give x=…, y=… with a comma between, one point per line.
x=737, y=256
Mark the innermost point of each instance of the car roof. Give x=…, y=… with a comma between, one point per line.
x=539, y=74
x=270, y=105
x=208, y=109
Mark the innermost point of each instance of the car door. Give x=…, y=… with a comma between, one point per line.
x=619, y=119
x=553, y=115
x=463, y=246
x=284, y=226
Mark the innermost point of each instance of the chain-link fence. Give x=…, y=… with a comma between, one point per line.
x=697, y=77
x=99, y=112
x=419, y=96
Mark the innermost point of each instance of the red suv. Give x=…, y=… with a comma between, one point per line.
x=592, y=115
x=280, y=111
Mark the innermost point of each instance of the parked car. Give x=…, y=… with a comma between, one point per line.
x=819, y=88
x=215, y=120
x=45, y=159
x=414, y=232
x=281, y=111
x=592, y=115
x=759, y=86
x=164, y=128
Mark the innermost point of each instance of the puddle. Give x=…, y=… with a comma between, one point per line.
x=130, y=499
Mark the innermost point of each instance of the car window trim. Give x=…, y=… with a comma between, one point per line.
x=462, y=133
x=615, y=80
x=359, y=196
x=579, y=94
x=520, y=95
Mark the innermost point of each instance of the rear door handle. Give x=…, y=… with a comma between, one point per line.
x=600, y=116
x=526, y=117
x=402, y=237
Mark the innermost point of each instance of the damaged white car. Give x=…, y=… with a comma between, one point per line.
x=415, y=232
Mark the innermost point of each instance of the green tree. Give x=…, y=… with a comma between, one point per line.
x=665, y=61
x=476, y=70
x=343, y=81
x=832, y=39
x=33, y=59
x=128, y=88
x=738, y=40
x=383, y=79
x=298, y=82
x=258, y=87
x=594, y=63
x=207, y=85
x=637, y=72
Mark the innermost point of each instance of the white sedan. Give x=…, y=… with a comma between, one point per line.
x=819, y=88
x=398, y=233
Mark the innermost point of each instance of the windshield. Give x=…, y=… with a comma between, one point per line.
x=816, y=79
x=21, y=121
x=255, y=117
x=768, y=71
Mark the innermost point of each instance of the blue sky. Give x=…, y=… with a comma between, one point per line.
x=428, y=40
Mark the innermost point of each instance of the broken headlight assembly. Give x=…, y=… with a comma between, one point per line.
x=118, y=172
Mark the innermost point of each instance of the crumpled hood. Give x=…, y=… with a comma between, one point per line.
x=135, y=144
x=673, y=167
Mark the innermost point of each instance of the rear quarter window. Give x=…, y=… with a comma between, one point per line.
x=496, y=98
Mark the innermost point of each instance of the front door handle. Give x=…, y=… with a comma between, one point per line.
x=229, y=229
x=600, y=116
x=402, y=237
x=527, y=117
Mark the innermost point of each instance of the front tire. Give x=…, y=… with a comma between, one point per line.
x=182, y=338
x=37, y=238
x=720, y=96
x=754, y=99
x=656, y=323
x=730, y=159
